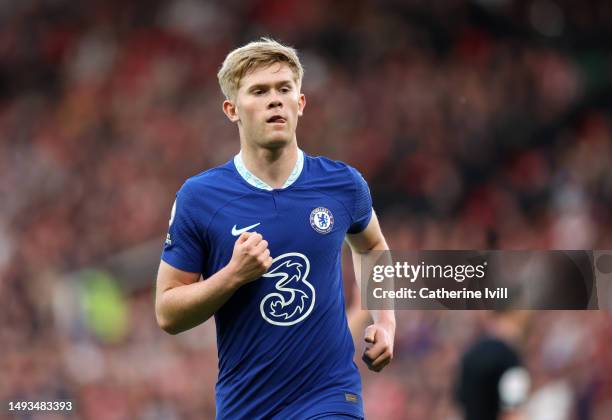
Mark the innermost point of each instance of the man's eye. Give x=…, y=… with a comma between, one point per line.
x=285, y=89
x=258, y=92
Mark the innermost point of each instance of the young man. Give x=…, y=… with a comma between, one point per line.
x=265, y=231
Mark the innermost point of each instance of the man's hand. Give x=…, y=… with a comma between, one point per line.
x=379, y=346
x=250, y=258
x=182, y=302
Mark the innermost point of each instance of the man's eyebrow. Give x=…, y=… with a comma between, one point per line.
x=266, y=85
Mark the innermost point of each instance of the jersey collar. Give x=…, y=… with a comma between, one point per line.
x=258, y=183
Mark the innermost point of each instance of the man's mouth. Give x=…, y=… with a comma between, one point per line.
x=276, y=119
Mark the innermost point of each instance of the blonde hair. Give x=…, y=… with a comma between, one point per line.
x=256, y=54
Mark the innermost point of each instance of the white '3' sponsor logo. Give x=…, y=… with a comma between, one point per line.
x=293, y=297
x=238, y=232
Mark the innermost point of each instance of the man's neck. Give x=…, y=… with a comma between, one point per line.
x=272, y=166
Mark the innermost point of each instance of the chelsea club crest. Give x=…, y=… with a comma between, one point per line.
x=321, y=220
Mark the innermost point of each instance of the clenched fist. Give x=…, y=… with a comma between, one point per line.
x=379, y=346
x=250, y=258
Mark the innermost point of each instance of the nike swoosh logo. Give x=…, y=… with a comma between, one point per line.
x=238, y=232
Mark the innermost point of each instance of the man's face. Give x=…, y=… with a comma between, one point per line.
x=267, y=106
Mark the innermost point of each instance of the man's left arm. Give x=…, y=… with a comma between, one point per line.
x=380, y=335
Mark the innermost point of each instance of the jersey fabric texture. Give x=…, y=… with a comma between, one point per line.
x=285, y=350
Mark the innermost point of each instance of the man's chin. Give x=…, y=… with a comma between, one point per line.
x=275, y=143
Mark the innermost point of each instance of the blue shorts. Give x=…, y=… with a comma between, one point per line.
x=335, y=416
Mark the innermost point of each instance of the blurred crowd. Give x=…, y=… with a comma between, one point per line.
x=478, y=124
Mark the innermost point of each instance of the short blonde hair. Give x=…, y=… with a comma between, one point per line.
x=256, y=54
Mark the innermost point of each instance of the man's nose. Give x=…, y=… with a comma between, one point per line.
x=275, y=101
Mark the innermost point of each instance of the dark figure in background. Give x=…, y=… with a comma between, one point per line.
x=492, y=383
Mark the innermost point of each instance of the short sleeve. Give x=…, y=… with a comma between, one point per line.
x=362, y=203
x=513, y=387
x=184, y=245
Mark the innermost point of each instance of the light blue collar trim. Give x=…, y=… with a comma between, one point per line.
x=258, y=183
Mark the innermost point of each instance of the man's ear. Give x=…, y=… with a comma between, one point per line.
x=229, y=108
x=301, y=104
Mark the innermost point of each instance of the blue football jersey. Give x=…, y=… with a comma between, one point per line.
x=285, y=349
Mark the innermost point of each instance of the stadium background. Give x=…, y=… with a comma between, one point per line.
x=469, y=119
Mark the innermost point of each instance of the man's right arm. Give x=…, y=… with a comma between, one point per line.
x=182, y=302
